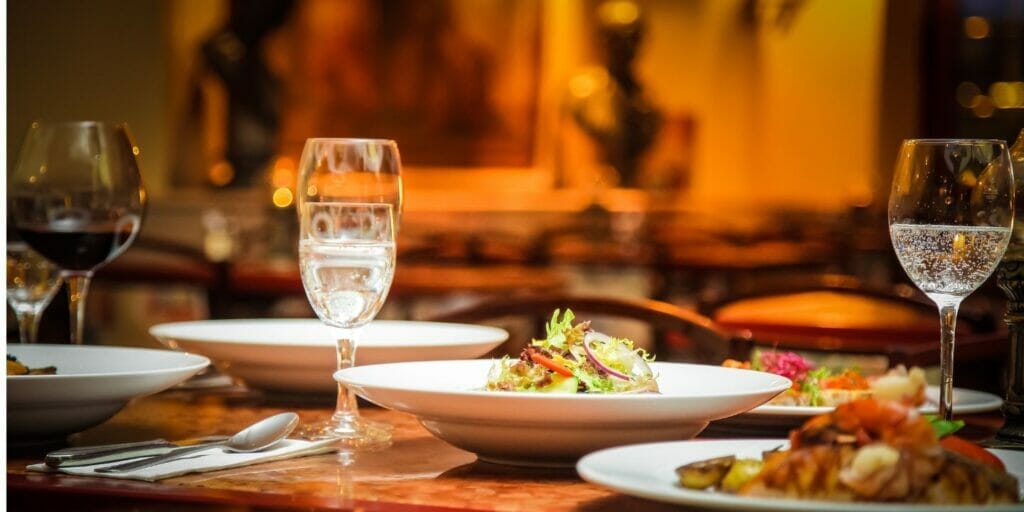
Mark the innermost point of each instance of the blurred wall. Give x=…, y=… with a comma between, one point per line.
x=94, y=59
x=819, y=103
x=787, y=114
x=784, y=115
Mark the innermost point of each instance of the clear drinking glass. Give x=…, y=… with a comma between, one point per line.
x=76, y=197
x=349, y=196
x=32, y=281
x=950, y=216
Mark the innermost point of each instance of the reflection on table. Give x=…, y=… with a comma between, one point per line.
x=418, y=473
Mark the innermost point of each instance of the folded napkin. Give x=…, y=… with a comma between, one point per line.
x=212, y=459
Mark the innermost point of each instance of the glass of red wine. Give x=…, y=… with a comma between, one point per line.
x=76, y=197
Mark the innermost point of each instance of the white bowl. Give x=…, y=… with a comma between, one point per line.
x=541, y=429
x=92, y=384
x=299, y=355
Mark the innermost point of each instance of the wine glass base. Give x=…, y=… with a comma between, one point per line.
x=352, y=433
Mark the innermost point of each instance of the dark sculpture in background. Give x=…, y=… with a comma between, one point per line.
x=608, y=103
x=235, y=97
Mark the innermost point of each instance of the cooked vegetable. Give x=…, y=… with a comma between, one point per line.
x=972, y=451
x=741, y=472
x=704, y=473
x=15, y=367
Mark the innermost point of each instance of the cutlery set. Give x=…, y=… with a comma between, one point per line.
x=256, y=437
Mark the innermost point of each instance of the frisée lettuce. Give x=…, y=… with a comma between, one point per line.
x=575, y=359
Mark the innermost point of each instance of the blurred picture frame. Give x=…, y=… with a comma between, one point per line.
x=457, y=83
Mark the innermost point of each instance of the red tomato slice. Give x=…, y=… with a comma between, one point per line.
x=971, y=451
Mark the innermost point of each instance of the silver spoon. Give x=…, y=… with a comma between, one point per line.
x=253, y=438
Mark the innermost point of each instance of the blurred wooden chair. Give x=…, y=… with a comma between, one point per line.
x=675, y=333
x=838, y=316
x=153, y=260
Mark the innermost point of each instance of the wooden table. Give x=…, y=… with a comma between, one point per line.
x=418, y=473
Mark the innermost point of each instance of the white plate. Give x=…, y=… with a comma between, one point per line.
x=92, y=384
x=769, y=419
x=556, y=429
x=299, y=355
x=648, y=471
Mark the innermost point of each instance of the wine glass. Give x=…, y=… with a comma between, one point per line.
x=32, y=281
x=950, y=216
x=349, y=197
x=76, y=198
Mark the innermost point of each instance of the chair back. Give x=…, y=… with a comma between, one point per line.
x=675, y=333
x=837, y=317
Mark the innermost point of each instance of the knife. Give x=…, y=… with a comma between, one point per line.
x=88, y=455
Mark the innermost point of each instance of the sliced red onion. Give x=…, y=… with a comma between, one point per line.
x=593, y=335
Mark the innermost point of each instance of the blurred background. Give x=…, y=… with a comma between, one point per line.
x=692, y=151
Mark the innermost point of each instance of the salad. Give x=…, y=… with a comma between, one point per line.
x=825, y=387
x=575, y=359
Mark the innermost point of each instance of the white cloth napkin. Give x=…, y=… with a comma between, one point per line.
x=212, y=459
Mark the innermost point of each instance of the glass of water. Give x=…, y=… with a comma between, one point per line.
x=349, y=195
x=950, y=216
x=32, y=281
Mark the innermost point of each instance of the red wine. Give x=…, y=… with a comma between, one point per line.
x=85, y=249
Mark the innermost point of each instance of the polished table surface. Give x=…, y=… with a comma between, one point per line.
x=418, y=473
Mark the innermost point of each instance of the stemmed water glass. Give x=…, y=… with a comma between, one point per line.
x=349, y=196
x=76, y=197
x=32, y=281
x=950, y=216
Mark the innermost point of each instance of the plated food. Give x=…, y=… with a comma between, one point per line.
x=649, y=471
x=866, y=450
x=817, y=391
x=15, y=367
x=822, y=387
x=573, y=358
x=554, y=429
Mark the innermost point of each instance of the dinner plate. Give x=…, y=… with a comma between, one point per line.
x=299, y=355
x=648, y=471
x=92, y=384
x=549, y=429
x=770, y=419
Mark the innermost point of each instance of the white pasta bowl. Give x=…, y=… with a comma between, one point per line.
x=299, y=355
x=542, y=429
x=91, y=385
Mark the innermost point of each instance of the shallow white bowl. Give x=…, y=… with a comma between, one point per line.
x=92, y=384
x=299, y=355
x=556, y=429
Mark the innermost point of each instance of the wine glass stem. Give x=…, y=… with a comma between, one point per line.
x=28, y=326
x=78, y=288
x=346, y=406
x=947, y=320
